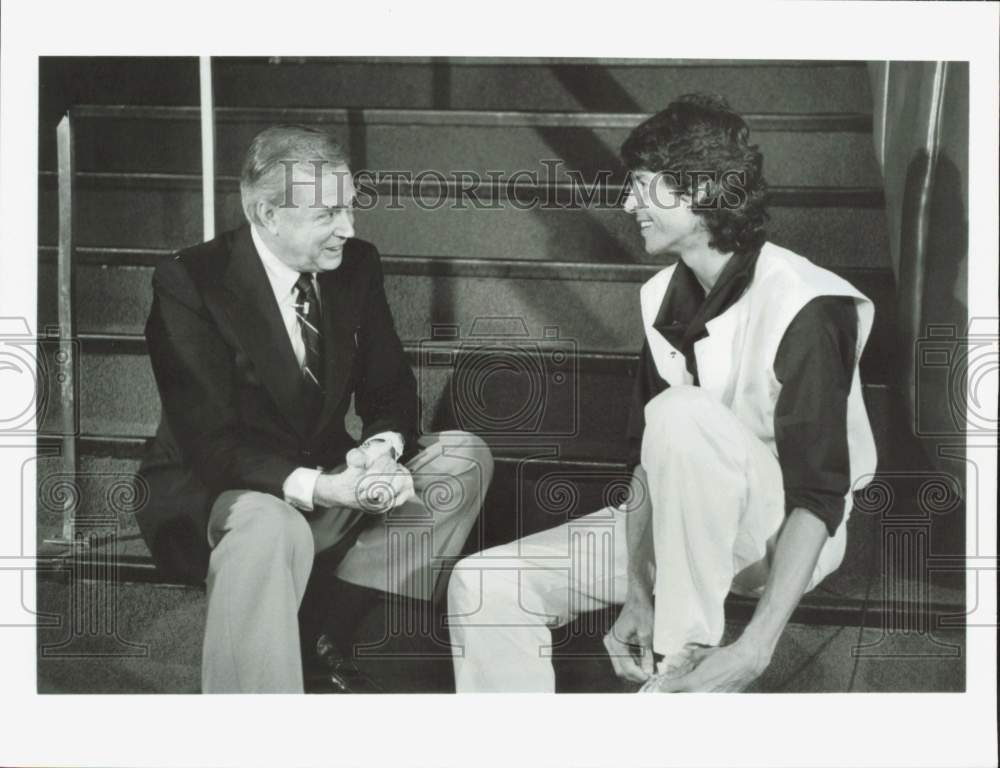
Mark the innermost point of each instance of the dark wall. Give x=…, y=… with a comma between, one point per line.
x=65, y=80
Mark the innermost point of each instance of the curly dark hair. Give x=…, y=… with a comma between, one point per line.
x=698, y=141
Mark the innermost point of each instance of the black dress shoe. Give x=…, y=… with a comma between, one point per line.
x=329, y=672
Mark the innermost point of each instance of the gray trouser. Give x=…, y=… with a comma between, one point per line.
x=263, y=549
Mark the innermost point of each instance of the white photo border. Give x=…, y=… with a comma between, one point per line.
x=772, y=730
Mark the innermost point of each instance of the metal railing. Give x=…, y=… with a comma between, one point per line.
x=67, y=349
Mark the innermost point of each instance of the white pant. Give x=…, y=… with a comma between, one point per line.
x=718, y=502
x=263, y=552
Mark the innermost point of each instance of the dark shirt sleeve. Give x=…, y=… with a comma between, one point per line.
x=647, y=384
x=815, y=365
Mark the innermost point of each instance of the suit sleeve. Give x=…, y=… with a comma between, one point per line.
x=194, y=371
x=385, y=396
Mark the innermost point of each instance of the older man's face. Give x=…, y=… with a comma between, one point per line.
x=310, y=229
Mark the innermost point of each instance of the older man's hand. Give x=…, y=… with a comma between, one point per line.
x=384, y=484
x=370, y=484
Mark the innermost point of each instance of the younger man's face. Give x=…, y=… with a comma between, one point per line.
x=663, y=213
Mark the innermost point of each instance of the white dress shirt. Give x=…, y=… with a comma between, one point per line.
x=299, y=486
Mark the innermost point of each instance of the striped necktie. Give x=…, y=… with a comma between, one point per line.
x=307, y=311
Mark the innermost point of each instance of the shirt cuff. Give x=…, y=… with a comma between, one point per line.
x=392, y=439
x=299, y=487
x=828, y=507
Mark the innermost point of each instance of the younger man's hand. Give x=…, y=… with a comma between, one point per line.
x=630, y=641
x=728, y=669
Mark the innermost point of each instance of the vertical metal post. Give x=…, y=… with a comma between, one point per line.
x=67, y=383
x=207, y=147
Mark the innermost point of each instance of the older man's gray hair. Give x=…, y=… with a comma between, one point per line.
x=271, y=156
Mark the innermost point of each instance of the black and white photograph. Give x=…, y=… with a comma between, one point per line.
x=457, y=375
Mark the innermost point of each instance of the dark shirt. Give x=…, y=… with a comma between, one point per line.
x=815, y=365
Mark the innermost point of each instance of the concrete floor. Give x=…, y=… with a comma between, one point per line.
x=146, y=638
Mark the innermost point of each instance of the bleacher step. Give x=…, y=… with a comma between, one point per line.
x=165, y=212
x=804, y=150
x=591, y=308
x=519, y=396
x=539, y=83
x=533, y=85
x=874, y=586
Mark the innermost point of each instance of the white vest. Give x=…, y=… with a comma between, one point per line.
x=736, y=360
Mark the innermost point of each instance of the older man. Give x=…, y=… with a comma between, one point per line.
x=259, y=339
x=748, y=428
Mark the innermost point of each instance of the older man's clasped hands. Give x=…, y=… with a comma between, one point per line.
x=373, y=481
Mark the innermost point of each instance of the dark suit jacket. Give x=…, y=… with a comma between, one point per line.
x=233, y=415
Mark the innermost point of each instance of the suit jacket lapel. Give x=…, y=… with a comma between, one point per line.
x=257, y=322
x=339, y=335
